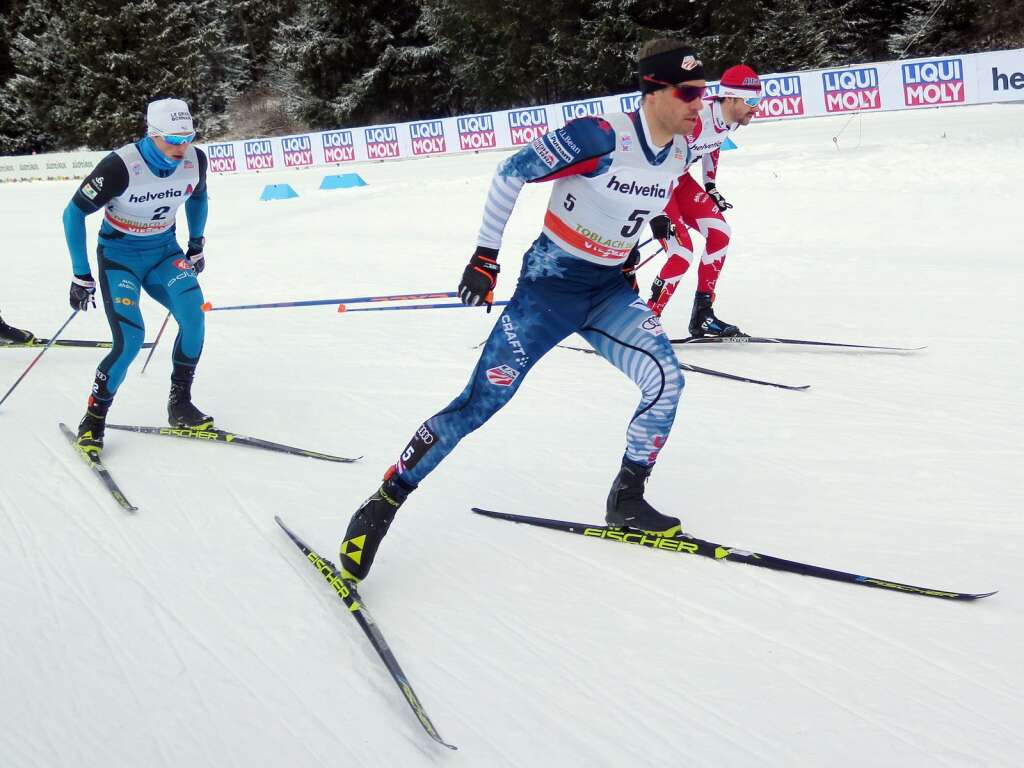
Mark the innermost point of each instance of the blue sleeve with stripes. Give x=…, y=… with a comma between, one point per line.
x=579, y=147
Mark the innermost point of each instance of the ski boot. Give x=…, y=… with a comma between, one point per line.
x=11, y=335
x=703, y=321
x=90, y=430
x=369, y=525
x=180, y=410
x=627, y=508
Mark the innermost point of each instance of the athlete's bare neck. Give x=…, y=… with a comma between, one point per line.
x=660, y=134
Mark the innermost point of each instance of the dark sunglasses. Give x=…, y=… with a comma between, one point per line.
x=681, y=92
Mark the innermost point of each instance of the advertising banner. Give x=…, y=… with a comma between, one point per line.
x=944, y=81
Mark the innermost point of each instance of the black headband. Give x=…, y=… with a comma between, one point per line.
x=675, y=66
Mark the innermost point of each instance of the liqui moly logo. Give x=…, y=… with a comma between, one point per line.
x=427, y=137
x=851, y=90
x=298, y=151
x=476, y=132
x=781, y=97
x=927, y=83
x=338, y=146
x=629, y=103
x=525, y=125
x=382, y=142
x=221, y=157
x=259, y=155
x=578, y=109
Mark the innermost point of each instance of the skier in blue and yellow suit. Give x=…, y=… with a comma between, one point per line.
x=140, y=187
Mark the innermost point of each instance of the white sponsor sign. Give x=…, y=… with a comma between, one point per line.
x=943, y=81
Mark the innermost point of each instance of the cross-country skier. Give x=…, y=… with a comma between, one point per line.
x=11, y=335
x=140, y=187
x=610, y=175
x=694, y=207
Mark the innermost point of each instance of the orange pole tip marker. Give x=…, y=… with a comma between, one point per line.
x=206, y=306
x=342, y=308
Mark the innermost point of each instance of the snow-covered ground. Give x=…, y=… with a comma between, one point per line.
x=193, y=634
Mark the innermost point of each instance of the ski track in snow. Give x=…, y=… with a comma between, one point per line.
x=194, y=633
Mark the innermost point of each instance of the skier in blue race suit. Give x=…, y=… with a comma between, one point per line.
x=140, y=187
x=611, y=174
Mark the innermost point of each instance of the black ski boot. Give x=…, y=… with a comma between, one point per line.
x=628, y=509
x=180, y=410
x=703, y=321
x=369, y=525
x=11, y=335
x=91, y=428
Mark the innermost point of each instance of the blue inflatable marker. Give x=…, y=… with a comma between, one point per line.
x=728, y=144
x=278, y=192
x=342, y=181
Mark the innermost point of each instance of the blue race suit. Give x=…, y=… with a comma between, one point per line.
x=140, y=190
x=608, y=181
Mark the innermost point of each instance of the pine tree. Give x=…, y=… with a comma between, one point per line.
x=86, y=69
x=359, y=62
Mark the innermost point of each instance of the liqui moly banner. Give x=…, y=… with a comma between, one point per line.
x=297, y=151
x=259, y=154
x=525, y=125
x=782, y=96
x=382, y=142
x=933, y=83
x=851, y=90
x=222, y=158
x=577, y=109
x=476, y=132
x=338, y=147
x=427, y=138
x=943, y=81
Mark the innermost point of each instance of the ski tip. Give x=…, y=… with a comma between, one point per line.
x=982, y=594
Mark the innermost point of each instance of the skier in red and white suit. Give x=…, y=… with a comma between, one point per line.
x=694, y=207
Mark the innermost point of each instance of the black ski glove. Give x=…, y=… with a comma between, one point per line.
x=661, y=228
x=479, y=278
x=721, y=202
x=195, y=253
x=83, y=290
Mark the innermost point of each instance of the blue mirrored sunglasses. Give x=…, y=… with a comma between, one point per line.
x=752, y=101
x=172, y=138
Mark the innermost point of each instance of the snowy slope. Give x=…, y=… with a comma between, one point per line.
x=193, y=634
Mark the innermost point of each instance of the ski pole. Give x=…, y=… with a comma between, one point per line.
x=35, y=360
x=156, y=341
x=634, y=269
x=453, y=305
x=208, y=307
